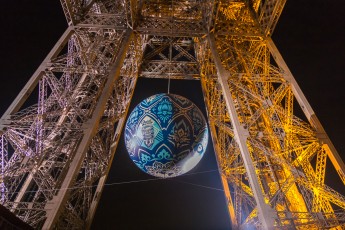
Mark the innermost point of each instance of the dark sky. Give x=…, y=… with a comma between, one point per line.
x=311, y=37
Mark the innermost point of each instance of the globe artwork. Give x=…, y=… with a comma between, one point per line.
x=166, y=135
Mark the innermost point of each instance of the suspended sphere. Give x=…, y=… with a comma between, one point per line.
x=166, y=135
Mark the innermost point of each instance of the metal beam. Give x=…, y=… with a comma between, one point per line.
x=265, y=212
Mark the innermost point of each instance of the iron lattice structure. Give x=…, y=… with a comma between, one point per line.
x=272, y=163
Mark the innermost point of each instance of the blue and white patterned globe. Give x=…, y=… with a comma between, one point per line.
x=166, y=135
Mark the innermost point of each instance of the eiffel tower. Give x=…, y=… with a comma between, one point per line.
x=272, y=163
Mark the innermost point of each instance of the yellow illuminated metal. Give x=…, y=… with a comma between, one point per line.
x=289, y=157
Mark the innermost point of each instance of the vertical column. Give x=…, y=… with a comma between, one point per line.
x=265, y=212
x=57, y=204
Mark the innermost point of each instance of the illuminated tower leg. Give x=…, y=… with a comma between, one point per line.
x=84, y=88
x=23, y=96
x=56, y=205
x=238, y=72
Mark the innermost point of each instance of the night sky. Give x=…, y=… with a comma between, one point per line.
x=311, y=37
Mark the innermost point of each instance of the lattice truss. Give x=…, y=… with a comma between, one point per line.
x=41, y=140
x=287, y=153
x=59, y=136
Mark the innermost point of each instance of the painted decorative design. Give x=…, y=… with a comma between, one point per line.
x=166, y=135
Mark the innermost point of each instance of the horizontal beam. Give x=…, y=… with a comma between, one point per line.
x=173, y=70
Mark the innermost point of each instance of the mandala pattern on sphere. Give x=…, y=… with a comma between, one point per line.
x=166, y=135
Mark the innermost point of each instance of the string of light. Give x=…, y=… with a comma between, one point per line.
x=199, y=185
x=128, y=182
